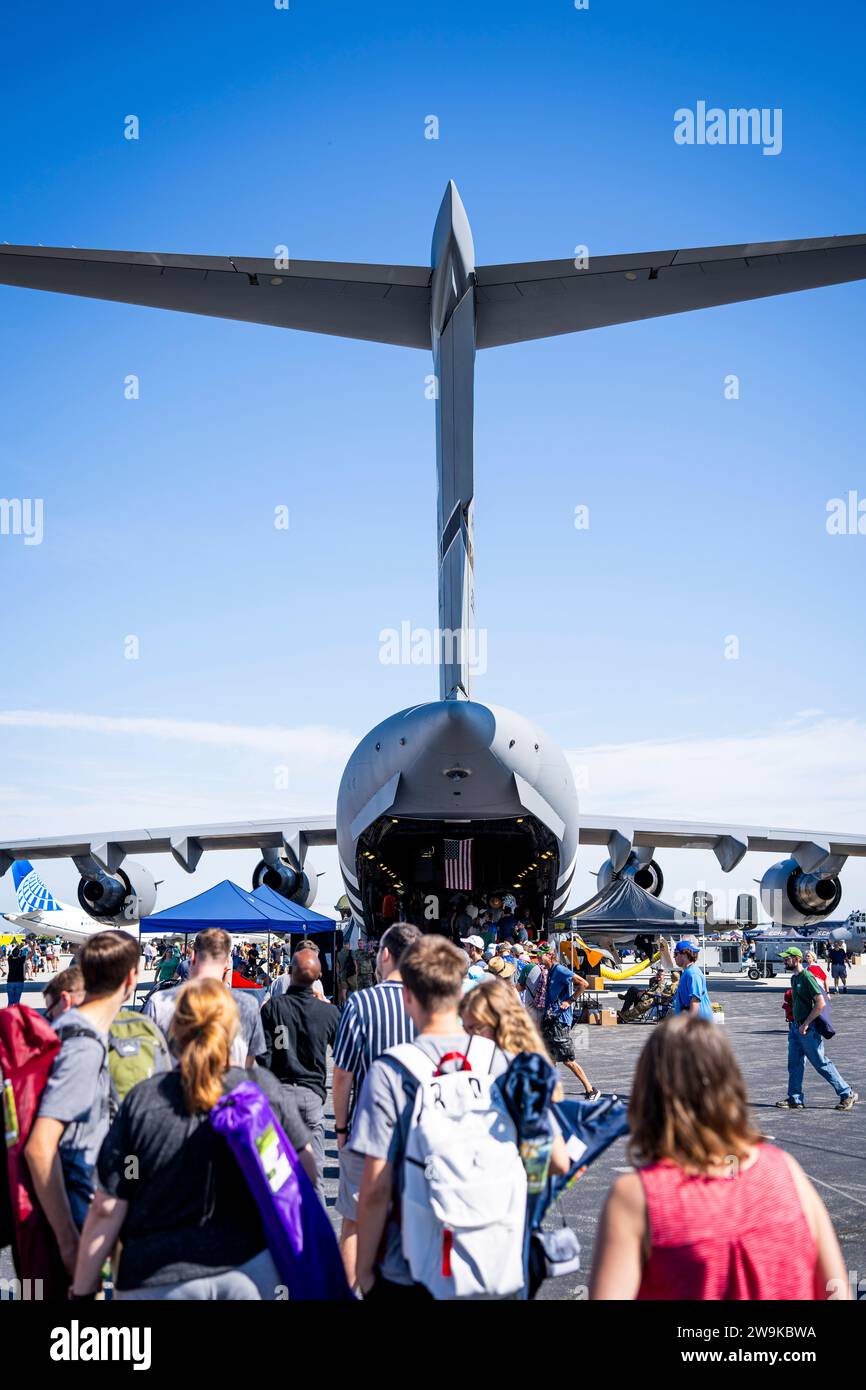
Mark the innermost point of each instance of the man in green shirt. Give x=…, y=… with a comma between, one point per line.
x=804, y=1041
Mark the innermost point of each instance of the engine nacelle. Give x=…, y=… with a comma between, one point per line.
x=298, y=885
x=129, y=893
x=794, y=898
x=645, y=872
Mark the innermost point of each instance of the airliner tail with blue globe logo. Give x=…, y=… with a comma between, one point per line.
x=41, y=914
x=31, y=892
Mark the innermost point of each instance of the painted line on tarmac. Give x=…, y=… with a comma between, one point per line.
x=840, y=1191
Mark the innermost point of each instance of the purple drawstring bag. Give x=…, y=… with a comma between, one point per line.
x=299, y=1235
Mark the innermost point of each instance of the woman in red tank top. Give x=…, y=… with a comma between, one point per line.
x=712, y=1211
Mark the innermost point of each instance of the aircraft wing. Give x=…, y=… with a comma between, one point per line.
x=381, y=303
x=813, y=850
x=541, y=299
x=186, y=843
x=391, y=303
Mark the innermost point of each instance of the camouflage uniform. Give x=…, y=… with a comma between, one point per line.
x=365, y=961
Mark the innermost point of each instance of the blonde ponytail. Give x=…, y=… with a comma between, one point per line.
x=201, y=1034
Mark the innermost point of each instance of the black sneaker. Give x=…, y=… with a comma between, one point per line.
x=849, y=1102
x=594, y=1094
x=789, y=1104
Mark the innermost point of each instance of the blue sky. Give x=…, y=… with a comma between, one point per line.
x=259, y=649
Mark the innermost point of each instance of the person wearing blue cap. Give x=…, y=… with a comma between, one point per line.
x=691, y=996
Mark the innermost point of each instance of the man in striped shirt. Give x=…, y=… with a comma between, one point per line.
x=372, y=1021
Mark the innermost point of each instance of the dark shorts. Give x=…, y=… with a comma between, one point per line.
x=560, y=1043
x=405, y=1293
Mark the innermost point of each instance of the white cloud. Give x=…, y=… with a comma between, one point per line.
x=811, y=775
x=312, y=742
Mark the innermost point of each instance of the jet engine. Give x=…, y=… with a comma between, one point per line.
x=129, y=893
x=299, y=885
x=794, y=898
x=645, y=872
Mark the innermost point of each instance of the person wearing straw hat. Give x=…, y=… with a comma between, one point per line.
x=501, y=969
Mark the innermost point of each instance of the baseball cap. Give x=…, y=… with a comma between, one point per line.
x=545, y=948
x=688, y=943
x=793, y=951
x=475, y=941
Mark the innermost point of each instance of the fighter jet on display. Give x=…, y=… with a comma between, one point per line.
x=430, y=778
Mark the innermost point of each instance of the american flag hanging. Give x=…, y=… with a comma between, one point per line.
x=458, y=863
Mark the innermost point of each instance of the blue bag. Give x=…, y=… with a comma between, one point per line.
x=298, y=1232
x=588, y=1128
x=824, y=1022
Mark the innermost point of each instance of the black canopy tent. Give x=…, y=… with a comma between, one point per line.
x=623, y=905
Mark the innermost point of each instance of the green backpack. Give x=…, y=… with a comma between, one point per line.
x=136, y=1050
x=524, y=972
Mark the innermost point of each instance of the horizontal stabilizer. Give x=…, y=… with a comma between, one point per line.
x=544, y=298
x=380, y=303
x=392, y=303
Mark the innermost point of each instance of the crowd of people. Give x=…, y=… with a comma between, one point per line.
x=446, y=1093
x=26, y=960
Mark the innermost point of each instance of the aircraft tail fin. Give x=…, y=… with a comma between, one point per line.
x=31, y=892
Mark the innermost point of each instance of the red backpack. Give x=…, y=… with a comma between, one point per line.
x=28, y=1046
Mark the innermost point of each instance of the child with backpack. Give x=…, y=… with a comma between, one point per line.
x=74, y=1109
x=443, y=1193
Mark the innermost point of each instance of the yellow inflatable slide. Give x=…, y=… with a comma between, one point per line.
x=569, y=951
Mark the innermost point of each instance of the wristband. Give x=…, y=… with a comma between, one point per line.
x=337, y=1130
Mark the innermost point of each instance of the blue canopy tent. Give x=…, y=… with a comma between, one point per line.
x=226, y=905
x=304, y=919
x=238, y=910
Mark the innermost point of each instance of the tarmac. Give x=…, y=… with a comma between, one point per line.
x=830, y=1145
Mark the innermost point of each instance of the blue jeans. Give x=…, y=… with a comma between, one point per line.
x=810, y=1045
x=14, y=993
x=78, y=1181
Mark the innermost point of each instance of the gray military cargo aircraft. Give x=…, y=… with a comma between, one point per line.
x=431, y=777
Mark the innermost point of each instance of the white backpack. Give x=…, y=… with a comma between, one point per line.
x=463, y=1199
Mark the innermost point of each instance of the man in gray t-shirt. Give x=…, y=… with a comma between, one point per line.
x=432, y=973
x=73, y=1108
x=212, y=960
x=250, y=1040
x=77, y=1092
x=380, y=1125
